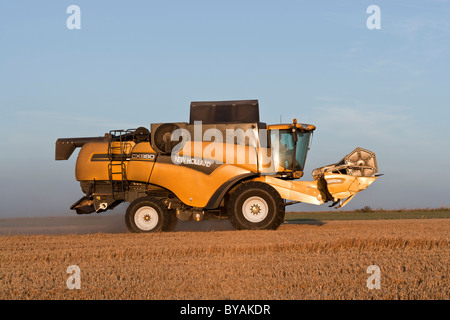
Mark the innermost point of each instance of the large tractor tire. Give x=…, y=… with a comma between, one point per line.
x=256, y=206
x=146, y=215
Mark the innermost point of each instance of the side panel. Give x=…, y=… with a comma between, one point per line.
x=92, y=162
x=193, y=186
x=141, y=162
x=201, y=168
x=243, y=156
x=90, y=167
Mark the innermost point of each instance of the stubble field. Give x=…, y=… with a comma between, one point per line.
x=326, y=260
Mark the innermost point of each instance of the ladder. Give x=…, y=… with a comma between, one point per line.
x=119, y=149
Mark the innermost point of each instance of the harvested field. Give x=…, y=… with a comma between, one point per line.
x=298, y=261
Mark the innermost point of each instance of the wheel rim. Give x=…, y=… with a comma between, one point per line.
x=146, y=218
x=255, y=209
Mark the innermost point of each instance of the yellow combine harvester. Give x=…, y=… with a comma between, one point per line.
x=224, y=163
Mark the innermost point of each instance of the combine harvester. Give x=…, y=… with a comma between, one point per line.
x=224, y=163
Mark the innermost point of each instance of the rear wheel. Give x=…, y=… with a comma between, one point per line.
x=145, y=215
x=255, y=205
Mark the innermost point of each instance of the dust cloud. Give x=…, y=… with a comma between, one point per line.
x=90, y=224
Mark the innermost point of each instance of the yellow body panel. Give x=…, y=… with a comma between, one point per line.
x=140, y=169
x=87, y=170
x=239, y=155
x=193, y=187
x=90, y=168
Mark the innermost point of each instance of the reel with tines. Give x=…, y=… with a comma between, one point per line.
x=360, y=163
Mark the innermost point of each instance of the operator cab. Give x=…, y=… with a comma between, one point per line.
x=289, y=145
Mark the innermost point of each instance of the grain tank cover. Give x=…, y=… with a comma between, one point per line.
x=212, y=112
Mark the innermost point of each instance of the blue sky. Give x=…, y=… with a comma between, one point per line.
x=133, y=63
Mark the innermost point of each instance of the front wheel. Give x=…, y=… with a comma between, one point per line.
x=145, y=215
x=255, y=205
